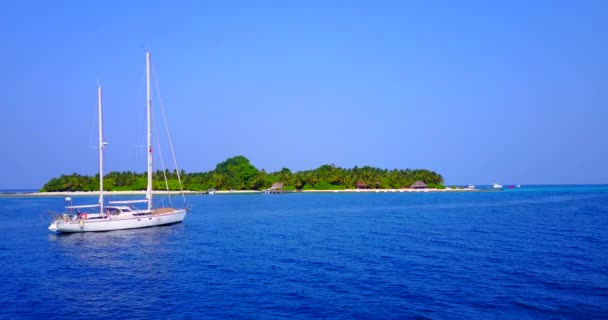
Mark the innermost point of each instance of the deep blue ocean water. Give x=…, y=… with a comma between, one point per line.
x=529, y=253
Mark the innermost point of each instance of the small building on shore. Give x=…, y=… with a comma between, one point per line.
x=419, y=185
x=362, y=185
x=276, y=187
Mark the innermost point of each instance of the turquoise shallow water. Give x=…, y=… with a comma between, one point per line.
x=538, y=252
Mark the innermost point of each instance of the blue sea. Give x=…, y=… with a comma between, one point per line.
x=537, y=252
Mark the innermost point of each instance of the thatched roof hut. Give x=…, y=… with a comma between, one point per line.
x=361, y=185
x=277, y=186
x=419, y=185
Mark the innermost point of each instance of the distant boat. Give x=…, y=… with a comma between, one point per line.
x=471, y=186
x=120, y=214
x=519, y=185
x=496, y=186
x=211, y=191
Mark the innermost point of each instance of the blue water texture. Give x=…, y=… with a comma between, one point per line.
x=537, y=252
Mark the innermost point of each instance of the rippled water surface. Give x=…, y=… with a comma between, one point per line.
x=529, y=253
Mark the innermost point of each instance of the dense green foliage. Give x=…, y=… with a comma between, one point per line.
x=237, y=173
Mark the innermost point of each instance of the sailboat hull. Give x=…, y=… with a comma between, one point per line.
x=144, y=221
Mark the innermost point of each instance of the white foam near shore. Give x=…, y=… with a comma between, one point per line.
x=237, y=191
x=393, y=190
x=129, y=193
x=92, y=193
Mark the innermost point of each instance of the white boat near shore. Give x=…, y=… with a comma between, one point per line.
x=119, y=214
x=496, y=186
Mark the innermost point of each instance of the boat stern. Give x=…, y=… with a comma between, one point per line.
x=54, y=226
x=59, y=222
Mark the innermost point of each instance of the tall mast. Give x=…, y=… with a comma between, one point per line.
x=149, y=120
x=101, y=145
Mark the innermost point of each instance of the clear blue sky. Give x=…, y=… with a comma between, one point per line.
x=481, y=92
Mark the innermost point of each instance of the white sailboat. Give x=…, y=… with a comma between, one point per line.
x=119, y=214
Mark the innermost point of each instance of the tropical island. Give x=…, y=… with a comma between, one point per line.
x=237, y=173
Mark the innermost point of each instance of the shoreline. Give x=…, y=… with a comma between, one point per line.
x=91, y=193
x=393, y=190
x=219, y=192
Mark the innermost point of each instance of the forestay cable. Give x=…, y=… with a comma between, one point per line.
x=162, y=109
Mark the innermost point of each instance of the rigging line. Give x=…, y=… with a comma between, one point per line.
x=162, y=109
x=162, y=163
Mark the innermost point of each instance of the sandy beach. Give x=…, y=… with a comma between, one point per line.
x=219, y=192
x=91, y=193
x=394, y=190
